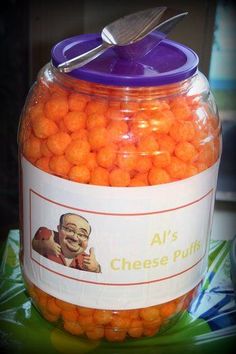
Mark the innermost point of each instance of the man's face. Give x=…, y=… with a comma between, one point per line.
x=73, y=235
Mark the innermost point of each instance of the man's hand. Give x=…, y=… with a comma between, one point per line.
x=47, y=247
x=90, y=262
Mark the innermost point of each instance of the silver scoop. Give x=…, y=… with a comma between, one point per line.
x=128, y=30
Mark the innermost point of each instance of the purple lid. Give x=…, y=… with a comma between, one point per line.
x=141, y=64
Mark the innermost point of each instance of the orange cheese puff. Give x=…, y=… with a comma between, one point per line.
x=44, y=149
x=119, y=178
x=91, y=161
x=43, y=164
x=77, y=102
x=161, y=159
x=96, y=107
x=155, y=323
x=114, y=114
x=135, y=329
x=167, y=309
x=44, y=127
x=75, y=120
x=70, y=315
x=147, y=145
x=59, y=165
x=56, y=107
x=102, y=317
x=79, y=174
x=65, y=305
x=86, y=322
x=73, y=328
x=99, y=176
x=49, y=316
x=180, y=108
x=119, y=322
x=139, y=125
x=149, y=313
x=58, y=143
x=96, y=120
x=77, y=151
x=182, y=131
x=117, y=130
x=166, y=143
x=150, y=332
x=97, y=138
x=154, y=105
x=161, y=121
x=79, y=134
x=144, y=163
x=115, y=335
x=206, y=154
x=52, y=307
x=185, y=151
x=32, y=148
x=85, y=311
x=129, y=107
x=95, y=333
x=62, y=126
x=191, y=170
x=176, y=168
x=158, y=176
x=201, y=166
x=127, y=157
x=137, y=182
x=106, y=156
x=36, y=111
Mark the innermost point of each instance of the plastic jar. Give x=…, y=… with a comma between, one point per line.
x=118, y=164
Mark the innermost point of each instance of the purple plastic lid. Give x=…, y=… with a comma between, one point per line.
x=145, y=63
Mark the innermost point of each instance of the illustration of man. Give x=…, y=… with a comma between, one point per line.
x=67, y=245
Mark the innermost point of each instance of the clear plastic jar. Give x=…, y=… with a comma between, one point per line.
x=117, y=190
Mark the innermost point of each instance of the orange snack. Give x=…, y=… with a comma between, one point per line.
x=161, y=159
x=127, y=157
x=58, y=143
x=79, y=174
x=147, y=145
x=97, y=137
x=102, y=317
x=112, y=335
x=73, y=328
x=44, y=149
x=59, y=165
x=135, y=329
x=70, y=315
x=74, y=120
x=32, y=148
x=43, y=164
x=44, y=127
x=150, y=313
x=91, y=161
x=96, y=120
x=99, y=176
x=176, y=168
x=56, y=107
x=77, y=151
x=117, y=130
x=167, y=309
x=180, y=108
x=161, y=121
x=144, y=163
x=119, y=178
x=52, y=307
x=77, y=102
x=106, y=156
x=166, y=143
x=158, y=176
x=65, y=305
x=185, y=151
x=95, y=106
x=182, y=131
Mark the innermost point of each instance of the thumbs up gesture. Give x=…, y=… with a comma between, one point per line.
x=90, y=262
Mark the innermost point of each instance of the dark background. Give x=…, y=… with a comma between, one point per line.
x=29, y=29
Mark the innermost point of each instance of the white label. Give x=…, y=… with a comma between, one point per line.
x=147, y=245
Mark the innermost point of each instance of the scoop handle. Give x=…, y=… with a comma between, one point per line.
x=83, y=59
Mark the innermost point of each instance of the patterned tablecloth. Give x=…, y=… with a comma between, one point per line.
x=209, y=326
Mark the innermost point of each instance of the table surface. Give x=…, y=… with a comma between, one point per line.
x=208, y=327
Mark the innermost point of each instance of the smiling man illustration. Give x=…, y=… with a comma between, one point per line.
x=67, y=245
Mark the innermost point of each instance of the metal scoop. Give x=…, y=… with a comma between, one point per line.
x=128, y=30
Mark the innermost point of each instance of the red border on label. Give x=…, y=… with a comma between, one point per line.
x=115, y=214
